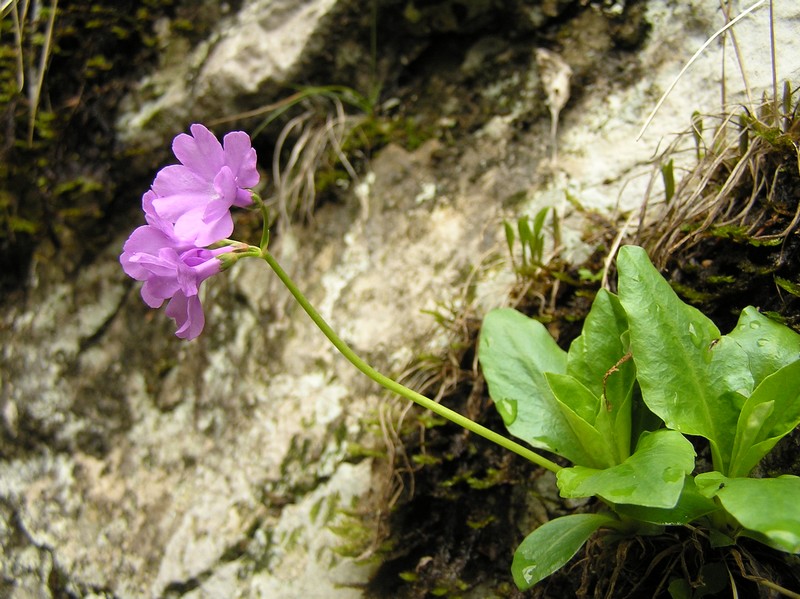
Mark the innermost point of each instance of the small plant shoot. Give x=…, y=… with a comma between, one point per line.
x=531, y=238
x=648, y=375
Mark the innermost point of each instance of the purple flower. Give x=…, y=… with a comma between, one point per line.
x=171, y=274
x=188, y=208
x=197, y=194
x=171, y=267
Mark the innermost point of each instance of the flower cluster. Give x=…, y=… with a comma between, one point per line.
x=187, y=209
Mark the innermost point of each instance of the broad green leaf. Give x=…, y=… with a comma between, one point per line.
x=708, y=483
x=598, y=358
x=691, y=506
x=768, y=509
x=552, y=545
x=769, y=344
x=573, y=394
x=653, y=476
x=588, y=420
x=772, y=411
x=600, y=348
x=515, y=351
x=690, y=376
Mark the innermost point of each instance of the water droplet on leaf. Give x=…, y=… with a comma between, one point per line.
x=672, y=475
x=694, y=335
x=508, y=410
x=623, y=492
x=528, y=574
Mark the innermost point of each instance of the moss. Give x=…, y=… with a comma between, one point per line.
x=64, y=180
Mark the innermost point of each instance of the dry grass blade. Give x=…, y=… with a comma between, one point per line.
x=731, y=188
x=315, y=140
x=35, y=92
x=18, y=15
x=692, y=60
x=726, y=9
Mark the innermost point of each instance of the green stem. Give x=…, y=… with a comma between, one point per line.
x=396, y=387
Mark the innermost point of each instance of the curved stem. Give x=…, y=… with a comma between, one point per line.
x=396, y=387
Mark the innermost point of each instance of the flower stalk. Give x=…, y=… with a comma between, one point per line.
x=185, y=241
x=396, y=387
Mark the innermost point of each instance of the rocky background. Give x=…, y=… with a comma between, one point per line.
x=255, y=461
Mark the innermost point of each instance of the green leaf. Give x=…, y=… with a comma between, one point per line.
x=653, y=476
x=769, y=345
x=691, y=506
x=599, y=347
x=515, y=351
x=525, y=237
x=537, y=247
x=768, y=509
x=690, y=376
x=510, y=237
x=598, y=359
x=552, y=545
x=787, y=285
x=668, y=175
x=583, y=412
x=770, y=413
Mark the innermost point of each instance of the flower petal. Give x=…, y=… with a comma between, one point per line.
x=188, y=315
x=178, y=180
x=244, y=198
x=156, y=289
x=200, y=151
x=240, y=157
x=174, y=207
x=146, y=239
x=191, y=225
x=216, y=230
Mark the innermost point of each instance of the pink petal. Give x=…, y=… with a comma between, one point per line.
x=157, y=289
x=147, y=203
x=153, y=301
x=146, y=239
x=132, y=268
x=200, y=152
x=177, y=179
x=225, y=185
x=241, y=158
x=174, y=207
x=187, y=280
x=191, y=225
x=216, y=230
x=244, y=198
x=188, y=315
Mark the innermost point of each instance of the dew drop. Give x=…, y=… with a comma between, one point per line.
x=696, y=338
x=508, y=410
x=762, y=342
x=621, y=492
x=755, y=325
x=529, y=573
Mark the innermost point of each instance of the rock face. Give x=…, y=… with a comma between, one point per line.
x=137, y=465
